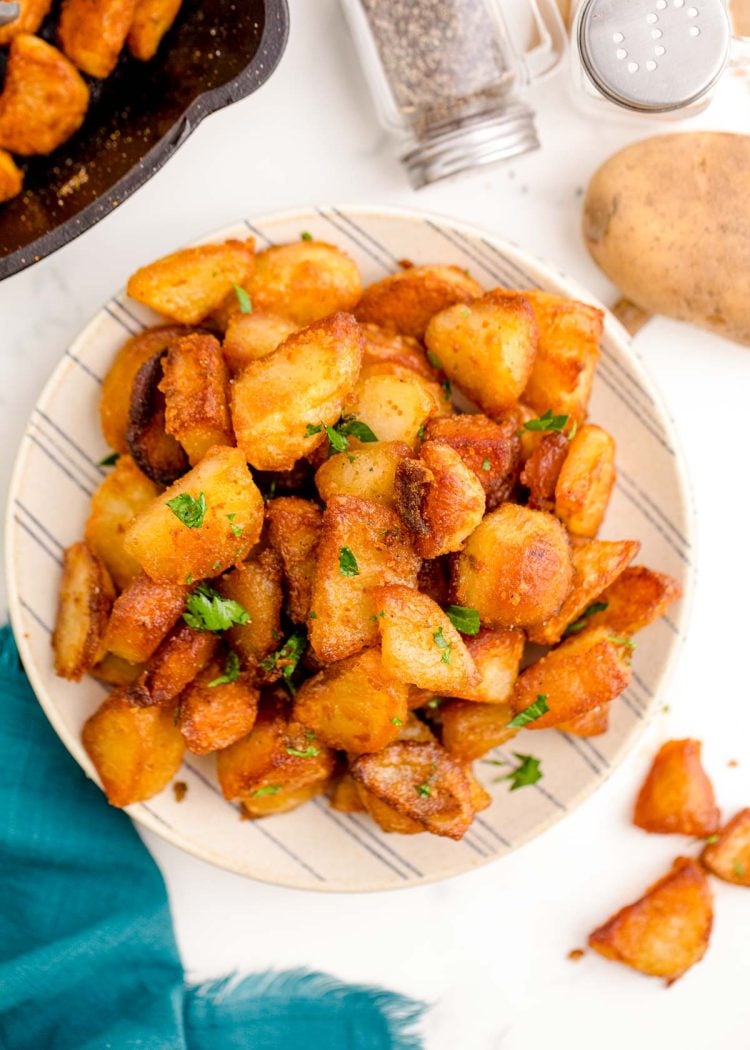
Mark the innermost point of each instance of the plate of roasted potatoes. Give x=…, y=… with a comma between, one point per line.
x=349, y=548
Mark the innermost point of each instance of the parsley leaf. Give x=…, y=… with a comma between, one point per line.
x=190, y=511
x=310, y=430
x=268, y=789
x=423, y=790
x=530, y=713
x=630, y=645
x=209, y=611
x=397, y=721
x=246, y=306
x=286, y=658
x=580, y=623
x=463, y=619
x=434, y=360
x=420, y=433
x=309, y=752
x=347, y=562
x=547, y=422
x=350, y=425
x=485, y=464
x=525, y=774
x=442, y=643
x=435, y=702
x=738, y=868
x=306, y=236
x=231, y=672
x=110, y=460
x=710, y=840
x=447, y=389
x=338, y=441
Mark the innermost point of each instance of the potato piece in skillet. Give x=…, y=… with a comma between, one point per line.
x=151, y=20
x=92, y=33
x=11, y=177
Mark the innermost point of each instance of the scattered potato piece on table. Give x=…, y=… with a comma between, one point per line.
x=294, y=531
x=142, y=616
x=729, y=857
x=32, y=14
x=677, y=796
x=84, y=604
x=256, y=585
x=490, y=449
x=92, y=33
x=151, y=20
x=496, y=653
x=195, y=387
x=636, y=598
x=393, y=407
x=469, y=730
x=368, y=471
x=122, y=494
x=181, y=656
x=586, y=480
x=214, y=714
x=304, y=281
x=249, y=337
x=592, y=723
x=404, y=302
x=11, y=176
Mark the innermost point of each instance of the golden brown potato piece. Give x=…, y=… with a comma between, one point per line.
x=214, y=714
x=159, y=455
x=168, y=547
x=636, y=598
x=142, y=616
x=497, y=657
x=115, y=671
x=729, y=857
x=386, y=817
x=136, y=750
x=587, y=670
x=294, y=531
x=480, y=798
x=420, y=644
x=195, y=386
x=405, y=301
x=470, y=730
x=393, y=406
x=11, y=177
x=256, y=585
x=515, y=568
x=595, y=566
x=487, y=348
x=345, y=795
x=542, y=469
x=84, y=604
x=421, y=782
x=567, y=355
x=181, y=656
x=665, y=932
x=491, y=450
x=249, y=337
x=363, y=545
x=32, y=14
x=381, y=346
x=354, y=705
x=305, y=281
x=592, y=723
x=187, y=285
x=414, y=728
x=677, y=797
x=151, y=20
x=92, y=33
x=44, y=99
x=281, y=801
x=368, y=471
x=280, y=403
x=121, y=495
x=586, y=480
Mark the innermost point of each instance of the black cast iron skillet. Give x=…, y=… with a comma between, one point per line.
x=217, y=52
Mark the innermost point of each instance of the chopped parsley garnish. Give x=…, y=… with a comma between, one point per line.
x=190, y=511
x=336, y=440
x=463, y=619
x=530, y=713
x=397, y=721
x=434, y=360
x=309, y=752
x=423, y=790
x=435, y=702
x=486, y=464
x=442, y=643
x=447, y=389
x=237, y=530
x=573, y=430
x=347, y=563
x=527, y=773
x=110, y=460
x=420, y=433
x=738, y=868
x=268, y=789
x=189, y=578
x=306, y=236
x=312, y=615
x=630, y=645
x=311, y=431
x=710, y=840
x=547, y=422
x=580, y=623
x=231, y=672
x=209, y=611
x=286, y=658
x=246, y=306
x=340, y=432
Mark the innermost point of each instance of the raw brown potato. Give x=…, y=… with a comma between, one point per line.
x=353, y=705
x=92, y=33
x=497, y=656
x=646, y=242
x=665, y=932
x=421, y=782
x=44, y=99
x=394, y=407
x=142, y=616
x=592, y=723
x=490, y=449
x=368, y=471
x=84, y=604
x=596, y=565
x=470, y=730
x=404, y=302
x=121, y=495
x=181, y=656
x=677, y=797
x=256, y=585
x=11, y=177
x=542, y=469
x=729, y=857
x=32, y=14
x=302, y=385
x=214, y=716
x=487, y=348
x=586, y=480
x=345, y=620
x=587, y=670
x=304, y=281
x=345, y=795
x=187, y=285
x=515, y=568
x=294, y=531
x=249, y=337
x=636, y=598
x=420, y=644
x=195, y=387
x=159, y=455
x=167, y=549
x=151, y=20
x=381, y=346
x=136, y=750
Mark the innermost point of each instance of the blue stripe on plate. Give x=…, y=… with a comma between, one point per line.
x=655, y=507
x=82, y=470
x=452, y=238
x=86, y=491
x=493, y=831
x=363, y=247
x=120, y=320
x=129, y=313
x=34, y=615
x=331, y=815
x=38, y=540
x=53, y=539
x=368, y=236
x=63, y=434
x=84, y=367
x=258, y=233
x=366, y=825
x=573, y=743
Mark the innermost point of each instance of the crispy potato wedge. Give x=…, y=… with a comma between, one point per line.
x=187, y=285
x=11, y=176
x=491, y=450
x=542, y=469
x=368, y=471
x=92, y=33
x=294, y=531
x=344, y=795
x=420, y=782
x=386, y=817
x=305, y=281
x=497, y=657
x=44, y=99
x=214, y=714
x=32, y=14
x=281, y=801
x=486, y=348
x=437, y=391
x=256, y=585
x=363, y=545
x=592, y=723
x=567, y=355
x=182, y=655
x=151, y=20
x=515, y=568
x=587, y=670
x=469, y=730
x=729, y=857
x=354, y=705
x=636, y=598
x=195, y=386
x=122, y=494
x=142, y=616
x=113, y=670
x=158, y=454
x=586, y=480
x=420, y=644
x=249, y=337
x=677, y=797
x=84, y=604
x=136, y=750
x=302, y=385
x=167, y=549
x=393, y=406
x=665, y=932
x=381, y=346
x=404, y=302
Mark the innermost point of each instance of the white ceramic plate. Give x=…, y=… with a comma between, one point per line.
x=315, y=847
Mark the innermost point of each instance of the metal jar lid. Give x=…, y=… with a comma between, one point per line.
x=654, y=55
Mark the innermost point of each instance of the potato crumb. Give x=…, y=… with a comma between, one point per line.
x=732, y=763
x=575, y=954
x=74, y=183
x=180, y=790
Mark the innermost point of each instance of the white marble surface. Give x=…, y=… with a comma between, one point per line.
x=489, y=949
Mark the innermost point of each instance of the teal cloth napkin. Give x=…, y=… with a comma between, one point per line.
x=88, y=958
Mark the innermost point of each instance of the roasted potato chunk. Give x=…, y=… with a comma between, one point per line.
x=363, y=545
x=491, y=450
x=181, y=656
x=345, y=795
x=44, y=99
x=368, y=471
x=305, y=281
x=256, y=585
x=92, y=33
x=142, y=616
x=32, y=14
x=677, y=797
x=592, y=723
x=497, y=657
x=169, y=549
x=354, y=705
x=542, y=469
x=11, y=177
x=86, y=596
x=420, y=644
x=281, y=801
x=187, y=285
x=486, y=348
x=381, y=346
x=136, y=750
x=729, y=857
x=420, y=782
x=118, y=499
x=214, y=714
x=159, y=455
x=281, y=403
x=115, y=671
x=394, y=407
x=469, y=730
x=386, y=817
x=636, y=598
x=404, y=302
x=665, y=932
x=151, y=20
x=249, y=337
x=294, y=531
x=515, y=568
x=586, y=480
x=195, y=387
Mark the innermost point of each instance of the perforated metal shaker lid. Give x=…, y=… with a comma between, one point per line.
x=654, y=55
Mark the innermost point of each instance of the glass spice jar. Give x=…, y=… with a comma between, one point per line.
x=446, y=76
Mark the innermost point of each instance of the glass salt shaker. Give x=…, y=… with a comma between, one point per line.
x=446, y=76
